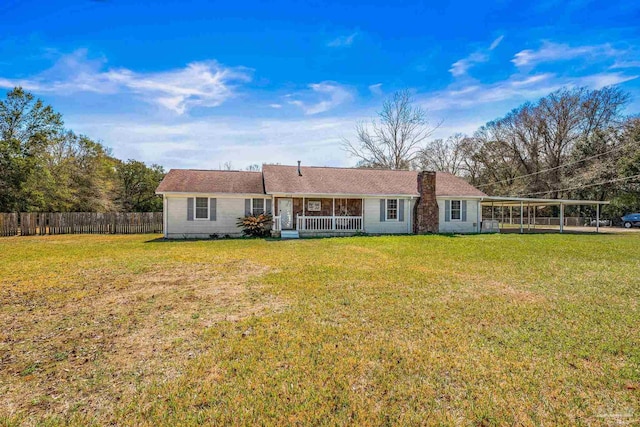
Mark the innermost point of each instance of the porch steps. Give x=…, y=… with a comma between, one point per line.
x=289, y=234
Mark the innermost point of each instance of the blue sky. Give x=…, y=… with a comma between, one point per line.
x=200, y=83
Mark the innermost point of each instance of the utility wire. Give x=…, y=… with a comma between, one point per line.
x=554, y=168
x=580, y=186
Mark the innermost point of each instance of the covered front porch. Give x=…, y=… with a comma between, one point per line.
x=309, y=214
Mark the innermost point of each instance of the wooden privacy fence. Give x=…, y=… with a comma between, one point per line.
x=9, y=224
x=31, y=224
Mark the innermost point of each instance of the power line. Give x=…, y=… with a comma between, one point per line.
x=580, y=186
x=554, y=168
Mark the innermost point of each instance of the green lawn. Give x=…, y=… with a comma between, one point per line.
x=474, y=330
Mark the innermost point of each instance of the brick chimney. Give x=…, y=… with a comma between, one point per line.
x=426, y=208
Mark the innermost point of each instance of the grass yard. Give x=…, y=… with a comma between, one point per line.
x=475, y=330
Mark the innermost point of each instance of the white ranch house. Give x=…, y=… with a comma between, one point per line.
x=311, y=201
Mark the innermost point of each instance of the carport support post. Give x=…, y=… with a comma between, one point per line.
x=598, y=218
x=534, y=216
x=521, y=217
x=561, y=217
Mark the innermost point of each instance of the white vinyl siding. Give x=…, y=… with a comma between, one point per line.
x=373, y=225
x=228, y=210
x=458, y=226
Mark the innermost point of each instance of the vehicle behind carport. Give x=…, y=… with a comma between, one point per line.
x=631, y=220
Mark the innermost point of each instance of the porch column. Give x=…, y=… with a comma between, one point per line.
x=304, y=221
x=333, y=214
x=561, y=217
x=521, y=217
x=598, y=218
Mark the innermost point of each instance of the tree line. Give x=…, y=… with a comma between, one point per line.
x=45, y=167
x=574, y=143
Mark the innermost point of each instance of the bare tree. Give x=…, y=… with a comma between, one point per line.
x=394, y=140
x=445, y=155
x=227, y=166
x=253, y=168
x=526, y=151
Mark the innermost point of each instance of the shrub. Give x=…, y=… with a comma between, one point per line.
x=255, y=225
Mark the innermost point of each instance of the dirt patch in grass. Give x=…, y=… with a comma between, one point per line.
x=107, y=333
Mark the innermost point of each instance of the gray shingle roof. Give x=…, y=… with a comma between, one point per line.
x=314, y=180
x=208, y=181
x=319, y=180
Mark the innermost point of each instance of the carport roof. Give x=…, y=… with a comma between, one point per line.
x=516, y=201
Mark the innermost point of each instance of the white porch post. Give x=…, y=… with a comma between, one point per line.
x=521, y=217
x=561, y=217
x=362, y=215
x=333, y=214
x=304, y=221
x=598, y=218
x=510, y=215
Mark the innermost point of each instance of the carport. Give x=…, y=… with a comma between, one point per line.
x=522, y=202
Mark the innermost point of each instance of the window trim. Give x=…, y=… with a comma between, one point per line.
x=451, y=218
x=264, y=206
x=386, y=210
x=195, y=209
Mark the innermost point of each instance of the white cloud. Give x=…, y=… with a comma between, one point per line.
x=376, y=89
x=275, y=105
x=332, y=94
x=515, y=89
x=496, y=42
x=460, y=68
x=209, y=143
x=625, y=64
x=199, y=84
x=343, y=41
x=551, y=52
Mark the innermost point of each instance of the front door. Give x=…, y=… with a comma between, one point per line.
x=285, y=207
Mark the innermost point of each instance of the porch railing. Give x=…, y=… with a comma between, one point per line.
x=329, y=223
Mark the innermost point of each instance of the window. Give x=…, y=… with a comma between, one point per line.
x=392, y=209
x=202, y=208
x=314, y=206
x=456, y=210
x=257, y=207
